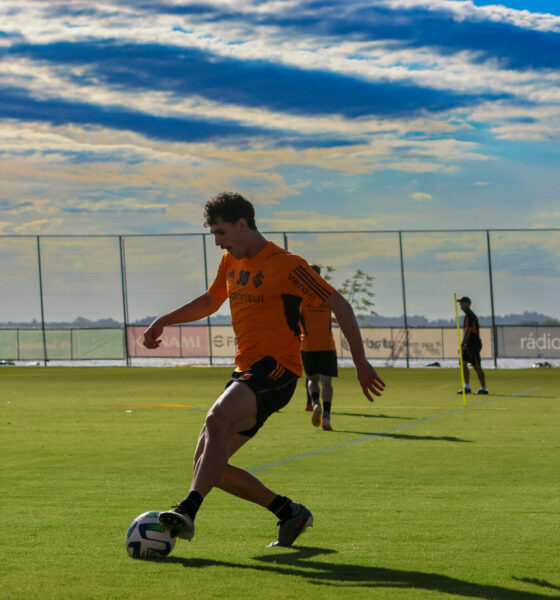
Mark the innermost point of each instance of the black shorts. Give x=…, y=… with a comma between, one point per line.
x=273, y=385
x=321, y=362
x=471, y=351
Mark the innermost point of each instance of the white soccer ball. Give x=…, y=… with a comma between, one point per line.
x=146, y=537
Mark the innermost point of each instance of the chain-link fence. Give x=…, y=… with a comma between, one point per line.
x=90, y=297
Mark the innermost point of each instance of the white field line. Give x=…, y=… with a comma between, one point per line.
x=389, y=431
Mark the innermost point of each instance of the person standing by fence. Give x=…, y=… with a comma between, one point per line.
x=471, y=346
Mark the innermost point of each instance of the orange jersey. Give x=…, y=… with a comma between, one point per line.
x=317, y=328
x=265, y=293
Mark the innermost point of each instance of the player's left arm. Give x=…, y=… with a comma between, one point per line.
x=466, y=331
x=367, y=376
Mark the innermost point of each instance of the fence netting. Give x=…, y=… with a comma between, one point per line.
x=91, y=297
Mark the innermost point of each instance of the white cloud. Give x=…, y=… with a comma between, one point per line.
x=422, y=196
x=376, y=61
x=34, y=227
x=305, y=220
x=510, y=121
x=549, y=219
x=380, y=62
x=89, y=168
x=466, y=9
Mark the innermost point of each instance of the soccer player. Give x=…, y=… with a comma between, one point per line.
x=471, y=346
x=265, y=285
x=318, y=354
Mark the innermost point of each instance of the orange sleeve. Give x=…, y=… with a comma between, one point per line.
x=218, y=288
x=306, y=283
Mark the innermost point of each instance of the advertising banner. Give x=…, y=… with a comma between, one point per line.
x=177, y=342
x=529, y=342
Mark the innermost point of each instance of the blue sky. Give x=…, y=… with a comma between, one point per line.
x=125, y=116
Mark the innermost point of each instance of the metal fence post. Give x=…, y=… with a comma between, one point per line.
x=494, y=330
x=404, y=301
x=206, y=284
x=125, y=300
x=40, y=270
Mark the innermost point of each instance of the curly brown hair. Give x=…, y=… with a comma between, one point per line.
x=230, y=207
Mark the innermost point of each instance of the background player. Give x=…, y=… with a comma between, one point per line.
x=265, y=285
x=471, y=346
x=318, y=354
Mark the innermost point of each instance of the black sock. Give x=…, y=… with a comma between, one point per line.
x=327, y=410
x=315, y=397
x=191, y=504
x=283, y=507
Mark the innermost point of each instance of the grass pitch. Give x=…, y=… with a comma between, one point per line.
x=414, y=496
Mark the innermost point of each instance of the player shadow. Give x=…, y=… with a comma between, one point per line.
x=302, y=562
x=368, y=416
x=521, y=396
x=431, y=438
x=403, y=436
x=539, y=582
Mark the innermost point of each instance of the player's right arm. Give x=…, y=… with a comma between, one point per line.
x=196, y=309
x=367, y=376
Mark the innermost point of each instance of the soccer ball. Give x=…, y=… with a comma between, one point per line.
x=146, y=537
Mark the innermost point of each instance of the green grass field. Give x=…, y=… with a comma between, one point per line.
x=444, y=502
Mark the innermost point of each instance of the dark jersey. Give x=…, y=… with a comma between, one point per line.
x=474, y=343
x=470, y=322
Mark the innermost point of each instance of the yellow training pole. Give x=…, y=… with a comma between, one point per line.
x=460, y=352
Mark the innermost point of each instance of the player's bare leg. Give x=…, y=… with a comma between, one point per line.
x=234, y=480
x=314, y=392
x=294, y=518
x=481, y=378
x=327, y=396
x=308, y=403
x=246, y=486
x=235, y=410
x=466, y=373
x=466, y=377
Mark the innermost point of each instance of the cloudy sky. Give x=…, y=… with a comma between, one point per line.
x=124, y=116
